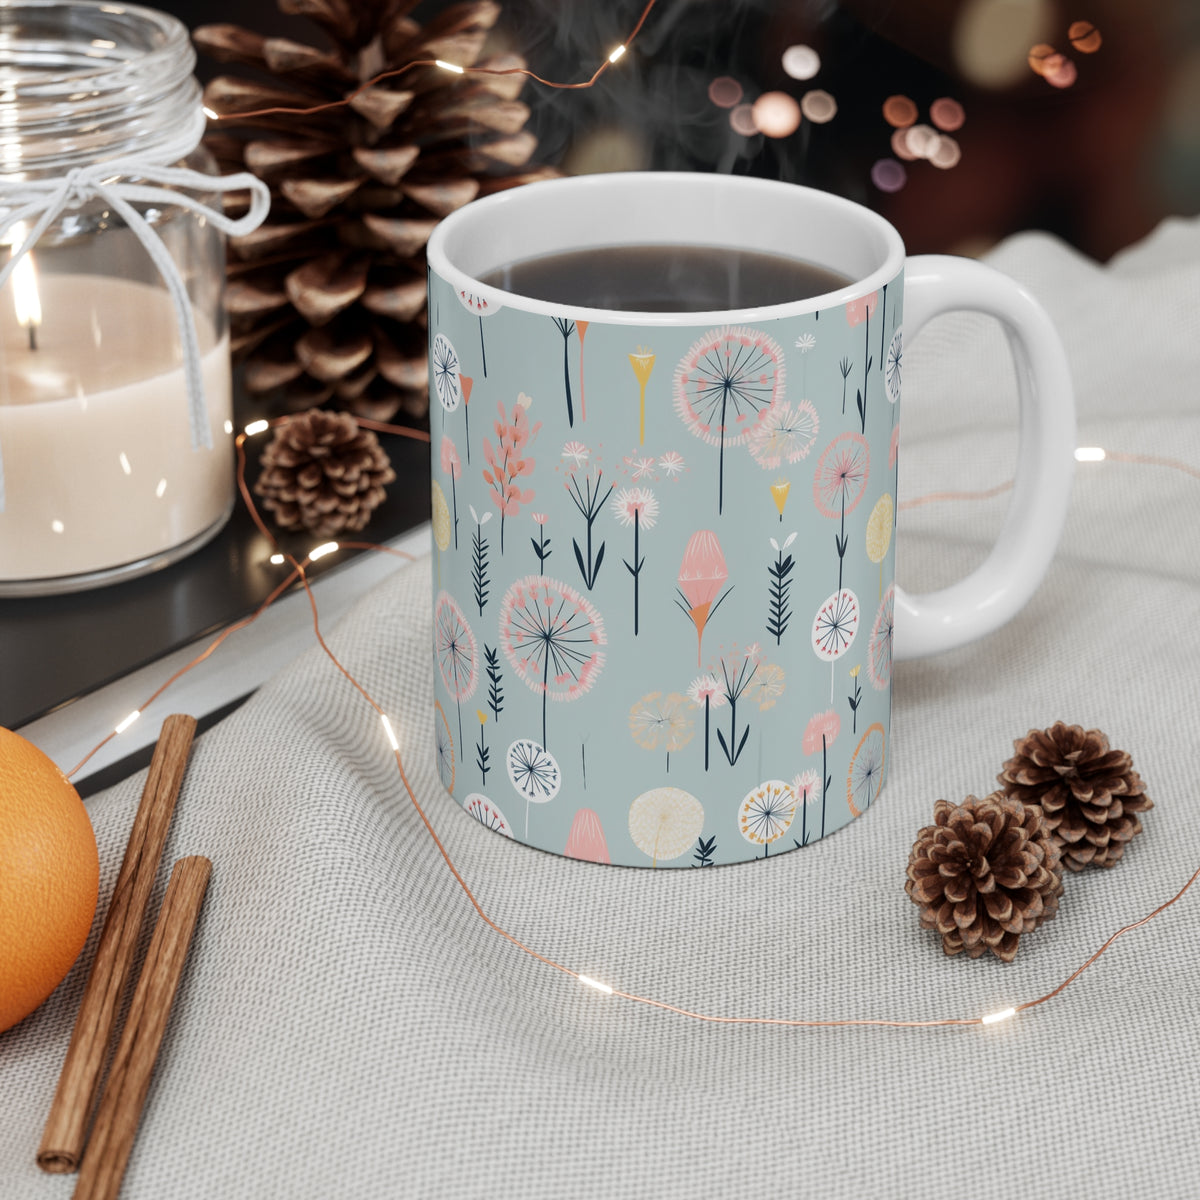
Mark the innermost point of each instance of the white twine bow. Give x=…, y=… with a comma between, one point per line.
x=44, y=200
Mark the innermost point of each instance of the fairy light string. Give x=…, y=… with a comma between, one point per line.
x=617, y=53
x=299, y=574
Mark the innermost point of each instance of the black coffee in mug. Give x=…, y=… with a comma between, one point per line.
x=683, y=278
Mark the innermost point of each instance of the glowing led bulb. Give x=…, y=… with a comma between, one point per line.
x=391, y=733
x=588, y=981
x=276, y=559
x=129, y=720
x=257, y=427
x=1090, y=454
x=320, y=551
x=1002, y=1015
x=208, y=112
x=449, y=66
x=612, y=58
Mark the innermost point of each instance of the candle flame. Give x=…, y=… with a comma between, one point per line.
x=26, y=300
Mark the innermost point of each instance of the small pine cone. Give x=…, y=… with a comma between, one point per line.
x=1089, y=793
x=322, y=473
x=985, y=872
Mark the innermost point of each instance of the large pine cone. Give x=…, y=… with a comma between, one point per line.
x=322, y=473
x=984, y=873
x=1090, y=794
x=327, y=298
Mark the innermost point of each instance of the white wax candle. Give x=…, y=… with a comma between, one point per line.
x=94, y=433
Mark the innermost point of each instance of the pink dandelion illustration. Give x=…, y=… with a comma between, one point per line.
x=839, y=483
x=767, y=813
x=706, y=690
x=482, y=307
x=834, y=629
x=895, y=357
x=576, y=454
x=785, y=434
x=586, y=839
x=879, y=649
x=552, y=636
x=819, y=734
x=662, y=722
x=452, y=466
x=702, y=574
x=454, y=645
x=865, y=777
x=724, y=387
x=671, y=464
x=487, y=814
x=806, y=787
x=636, y=507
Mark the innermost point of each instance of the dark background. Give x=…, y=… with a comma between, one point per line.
x=1099, y=162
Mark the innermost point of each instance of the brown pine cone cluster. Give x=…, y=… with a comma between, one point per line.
x=327, y=297
x=323, y=474
x=984, y=873
x=1090, y=794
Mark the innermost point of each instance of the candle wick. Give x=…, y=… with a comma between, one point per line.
x=32, y=335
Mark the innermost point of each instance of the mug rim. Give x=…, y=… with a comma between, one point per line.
x=438, y=255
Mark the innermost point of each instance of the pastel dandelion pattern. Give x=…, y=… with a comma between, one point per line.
x=819, y=734
x=839, y=483
x=482, y=307
x=586, y=839
x=766, y=813
x=879, y=648
x=509, y=461
x=452, y=466
x=446, y=383
x=879, y=532
x=456, y=651
x=566, y=327
x=806, y=787
x=533, y=772
x=552, y=635
x=664, y=823
x=443, y=527
x=706, y=691
x=487, y=814
x=865, y=776
x=443, y=744
x=785, y=434
x=834, y=629
x=635, y=508
x=725, y=386
x=891, y=376
x=702, y=576
x=671, y=464
x=642, y=363
x=659, y=722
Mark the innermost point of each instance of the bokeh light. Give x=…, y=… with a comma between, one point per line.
x=899, y=111
x=888, y=175
x=741, y=117
x=801, y=62
x=921, y=140
x=1060, y=71
x=1038, y=55
x=776, y=114
x=991, y=38
x=947, y=114
x=1085, y=37
x=818, y=106
x=724, y=91
x=900, y=145
x=946, y=153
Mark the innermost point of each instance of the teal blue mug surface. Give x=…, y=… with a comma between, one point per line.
x=664, y=612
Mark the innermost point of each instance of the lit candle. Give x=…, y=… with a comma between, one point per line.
x=26, y=299
x=99, y=467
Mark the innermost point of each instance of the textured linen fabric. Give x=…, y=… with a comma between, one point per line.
x=347, y=1026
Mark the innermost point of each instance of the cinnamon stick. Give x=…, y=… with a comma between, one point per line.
x=128, y=1083
x=66, y=1126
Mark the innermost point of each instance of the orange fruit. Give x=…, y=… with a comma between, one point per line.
x=49, y=877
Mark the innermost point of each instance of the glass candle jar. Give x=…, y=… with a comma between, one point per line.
x=115, y=436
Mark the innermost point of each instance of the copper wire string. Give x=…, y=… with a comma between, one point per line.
x=299, y=572
x=433, y=62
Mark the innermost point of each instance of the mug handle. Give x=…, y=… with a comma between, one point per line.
x=1001, y=585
